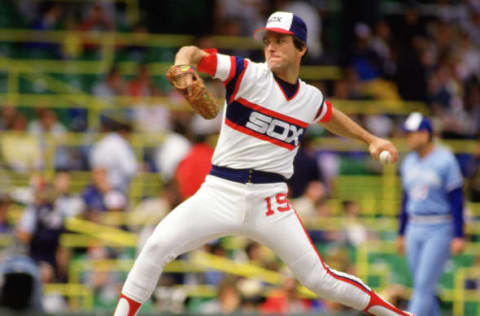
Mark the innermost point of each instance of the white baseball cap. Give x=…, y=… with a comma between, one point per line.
x=285, y=23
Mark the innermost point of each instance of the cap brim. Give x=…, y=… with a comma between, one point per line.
x=258, y=34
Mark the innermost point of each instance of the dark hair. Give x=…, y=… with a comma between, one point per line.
x=299, y=44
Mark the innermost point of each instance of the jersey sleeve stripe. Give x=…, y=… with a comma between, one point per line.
x=238, y=81
x=258, y=135
x=223, y=67
x=321, y=109
x=327, y=113
x=321, y=112
x=233, y=69
x=263, y=110
x=208, y=64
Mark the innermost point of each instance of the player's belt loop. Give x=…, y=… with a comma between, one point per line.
x=246, y=175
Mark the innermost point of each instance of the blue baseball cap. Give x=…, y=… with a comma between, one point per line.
x=284, y=23
x=417, y=122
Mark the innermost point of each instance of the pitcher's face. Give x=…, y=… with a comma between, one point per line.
x=280, y=51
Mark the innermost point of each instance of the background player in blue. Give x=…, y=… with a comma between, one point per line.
x=432, y=212
x=267, y=110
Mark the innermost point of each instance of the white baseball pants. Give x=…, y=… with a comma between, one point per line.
x=258, y=211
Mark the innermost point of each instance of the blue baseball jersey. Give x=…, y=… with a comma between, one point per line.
x=428, y=181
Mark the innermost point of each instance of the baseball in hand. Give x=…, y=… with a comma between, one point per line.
x=385, y=157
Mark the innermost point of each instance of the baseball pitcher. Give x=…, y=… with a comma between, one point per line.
x=267, y=110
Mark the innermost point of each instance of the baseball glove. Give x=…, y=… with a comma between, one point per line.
x=195, y=93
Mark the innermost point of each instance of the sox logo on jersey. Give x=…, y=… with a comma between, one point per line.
x=274, y=128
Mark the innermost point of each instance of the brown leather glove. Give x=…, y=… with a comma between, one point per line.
x=187, y=81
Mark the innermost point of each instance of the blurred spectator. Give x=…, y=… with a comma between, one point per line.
x=47, y=21
x=248, y=15
x=321, y=234
x=114, y=85
x=41, y=225
x=45, y=126
x=251, y=291
x=228, y=299
x=45, y=123
x=21, y=151
x=467, y=58
x=372, y=68
x=256, y=254
x=306, y=169
x=94, y=194
x=97, y=20
x=6, y=227
x=20, y=289
x=137, y=51
x=381, y=125
x=168, y=297
x=364, y=59
x=380, y=43
x=52, y=302
x=472, y=25
x=231, y=27
x=108, y=11
x=141, y=85
x=397, y=294
x=355, y=232
x=64, y=257
x=66, y=202
x=104, y=283
x=306, y=205
x=115, y=201
x=445, y=92
x=194, y=167
x=285, y=300
x=411, y=65
x=114, y=153
x=153, y=117
x=349, y=87
x=175, y=146
x=148, y=213
x=473, y=183
x=7, y=119
x=214, y=277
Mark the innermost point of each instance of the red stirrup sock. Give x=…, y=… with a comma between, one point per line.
x=126, y=307
x=378, y=306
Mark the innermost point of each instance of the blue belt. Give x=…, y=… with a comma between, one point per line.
x=246, y=175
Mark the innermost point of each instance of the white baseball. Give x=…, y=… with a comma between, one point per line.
x=385, y=157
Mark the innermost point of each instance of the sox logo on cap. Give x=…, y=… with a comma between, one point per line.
x=285, y=23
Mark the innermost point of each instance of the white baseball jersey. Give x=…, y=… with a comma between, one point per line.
x=262, y=127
